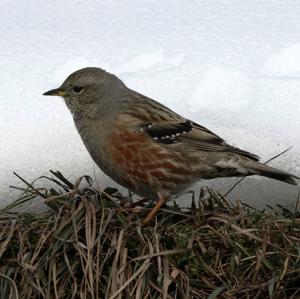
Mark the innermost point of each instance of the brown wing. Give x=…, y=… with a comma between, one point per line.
x=191, y=134
x=165, y=126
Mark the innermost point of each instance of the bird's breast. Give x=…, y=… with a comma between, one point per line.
x=143, y=162
x=133, y=159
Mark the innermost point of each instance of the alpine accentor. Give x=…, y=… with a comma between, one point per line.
x=144, y=145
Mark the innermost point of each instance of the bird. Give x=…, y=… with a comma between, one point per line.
x=147, y=147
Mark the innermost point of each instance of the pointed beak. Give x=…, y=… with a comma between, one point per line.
x=55, y=92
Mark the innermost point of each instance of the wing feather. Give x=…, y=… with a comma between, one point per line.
x=191, y=134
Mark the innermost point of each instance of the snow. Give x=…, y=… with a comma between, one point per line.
x=284, y=63
x=233, y=66
x=220, y=84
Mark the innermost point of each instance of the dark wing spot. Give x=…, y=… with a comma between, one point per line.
x=167, y=132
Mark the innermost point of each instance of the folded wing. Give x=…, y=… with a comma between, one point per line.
x=191, y=134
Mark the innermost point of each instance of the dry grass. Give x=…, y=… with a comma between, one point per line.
x=87, y=245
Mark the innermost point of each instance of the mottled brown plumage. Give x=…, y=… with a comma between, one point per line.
x=144, y=145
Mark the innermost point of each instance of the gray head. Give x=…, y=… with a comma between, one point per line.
x=85, y=87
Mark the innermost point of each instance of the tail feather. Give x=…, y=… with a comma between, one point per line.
x=270, y=172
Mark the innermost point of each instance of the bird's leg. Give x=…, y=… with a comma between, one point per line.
x=153, y=212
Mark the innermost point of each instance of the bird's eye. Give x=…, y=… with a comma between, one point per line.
x=77, y=89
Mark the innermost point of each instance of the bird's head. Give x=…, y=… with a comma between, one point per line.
x=84, y=88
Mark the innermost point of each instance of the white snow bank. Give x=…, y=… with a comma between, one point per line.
x=286, y=62
x=232, y=66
